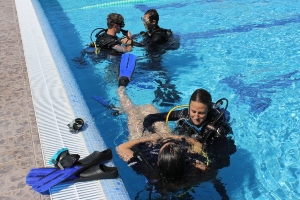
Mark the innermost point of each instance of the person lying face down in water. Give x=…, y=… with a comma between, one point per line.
x=170, y=162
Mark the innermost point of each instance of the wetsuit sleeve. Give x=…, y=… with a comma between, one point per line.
x=120, y=48
x=113, y=43
x=150, y=119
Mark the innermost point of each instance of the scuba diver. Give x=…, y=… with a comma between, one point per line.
x=204, y=121
x=155, y=35
x=107, y=38
x=107, y=44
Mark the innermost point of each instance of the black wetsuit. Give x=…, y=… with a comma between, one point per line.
x=150, y=152
x=214, y=137
x=105, y=41
x=192, y=175
x=156, y=37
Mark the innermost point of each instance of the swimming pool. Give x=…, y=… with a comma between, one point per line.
x=247, y=52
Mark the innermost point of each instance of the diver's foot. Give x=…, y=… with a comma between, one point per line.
x=123, y=81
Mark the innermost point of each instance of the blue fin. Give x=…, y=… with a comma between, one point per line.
x=101, y=100
x=55, y=178
x=127, y=65
x=37, y=174
x=58, y=176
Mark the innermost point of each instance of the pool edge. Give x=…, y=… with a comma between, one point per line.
x=48, y=91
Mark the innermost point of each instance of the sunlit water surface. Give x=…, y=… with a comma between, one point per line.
x=246, y=51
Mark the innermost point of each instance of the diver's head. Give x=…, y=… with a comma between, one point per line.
x=150, y=19
x=171, y=162
x=199, y=106
x=115, y=20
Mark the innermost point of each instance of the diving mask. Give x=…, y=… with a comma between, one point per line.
x=145, y=21
x=76, y=125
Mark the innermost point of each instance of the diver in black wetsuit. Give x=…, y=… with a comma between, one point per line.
x=107, y=38
x=155, y=35
x=203, y=121
x=107, y=44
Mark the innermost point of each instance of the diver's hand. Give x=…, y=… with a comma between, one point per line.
x=200, y=165
x=127, y=34
x=126, y=41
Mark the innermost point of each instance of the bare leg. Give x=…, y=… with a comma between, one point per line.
x=136, y=115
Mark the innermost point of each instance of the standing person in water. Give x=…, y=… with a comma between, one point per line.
x=107, y=38
x=155, y=35
x=107, y=44
x=170, y=162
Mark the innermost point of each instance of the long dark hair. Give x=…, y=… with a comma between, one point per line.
x=171, y=162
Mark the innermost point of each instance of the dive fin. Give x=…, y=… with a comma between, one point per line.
x=55, y=178
x=37, y=174
x=102, y=101
x=116, y=110
x=58, y=176
x=127, y=65
x=98, y=172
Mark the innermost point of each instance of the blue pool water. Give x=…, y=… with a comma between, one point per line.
x=246, y=51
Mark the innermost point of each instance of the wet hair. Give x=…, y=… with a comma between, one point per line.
x=202, y=96
x=114, y=18
x=153, y=15
x=171, y=162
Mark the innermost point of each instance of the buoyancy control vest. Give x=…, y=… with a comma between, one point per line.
x=106, y=41
x=149, y=37
x=215, y=126
x=103, y=40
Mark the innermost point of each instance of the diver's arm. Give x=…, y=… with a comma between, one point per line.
x=151, y=118
x=121, y=48
x=124, y=150
x=196, y=149
x=128, y=39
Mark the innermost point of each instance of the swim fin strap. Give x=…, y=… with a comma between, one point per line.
x=127, y=65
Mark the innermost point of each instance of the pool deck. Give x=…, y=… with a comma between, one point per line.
x=20, y=144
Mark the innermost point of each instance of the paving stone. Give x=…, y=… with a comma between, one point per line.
x=20, y=148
